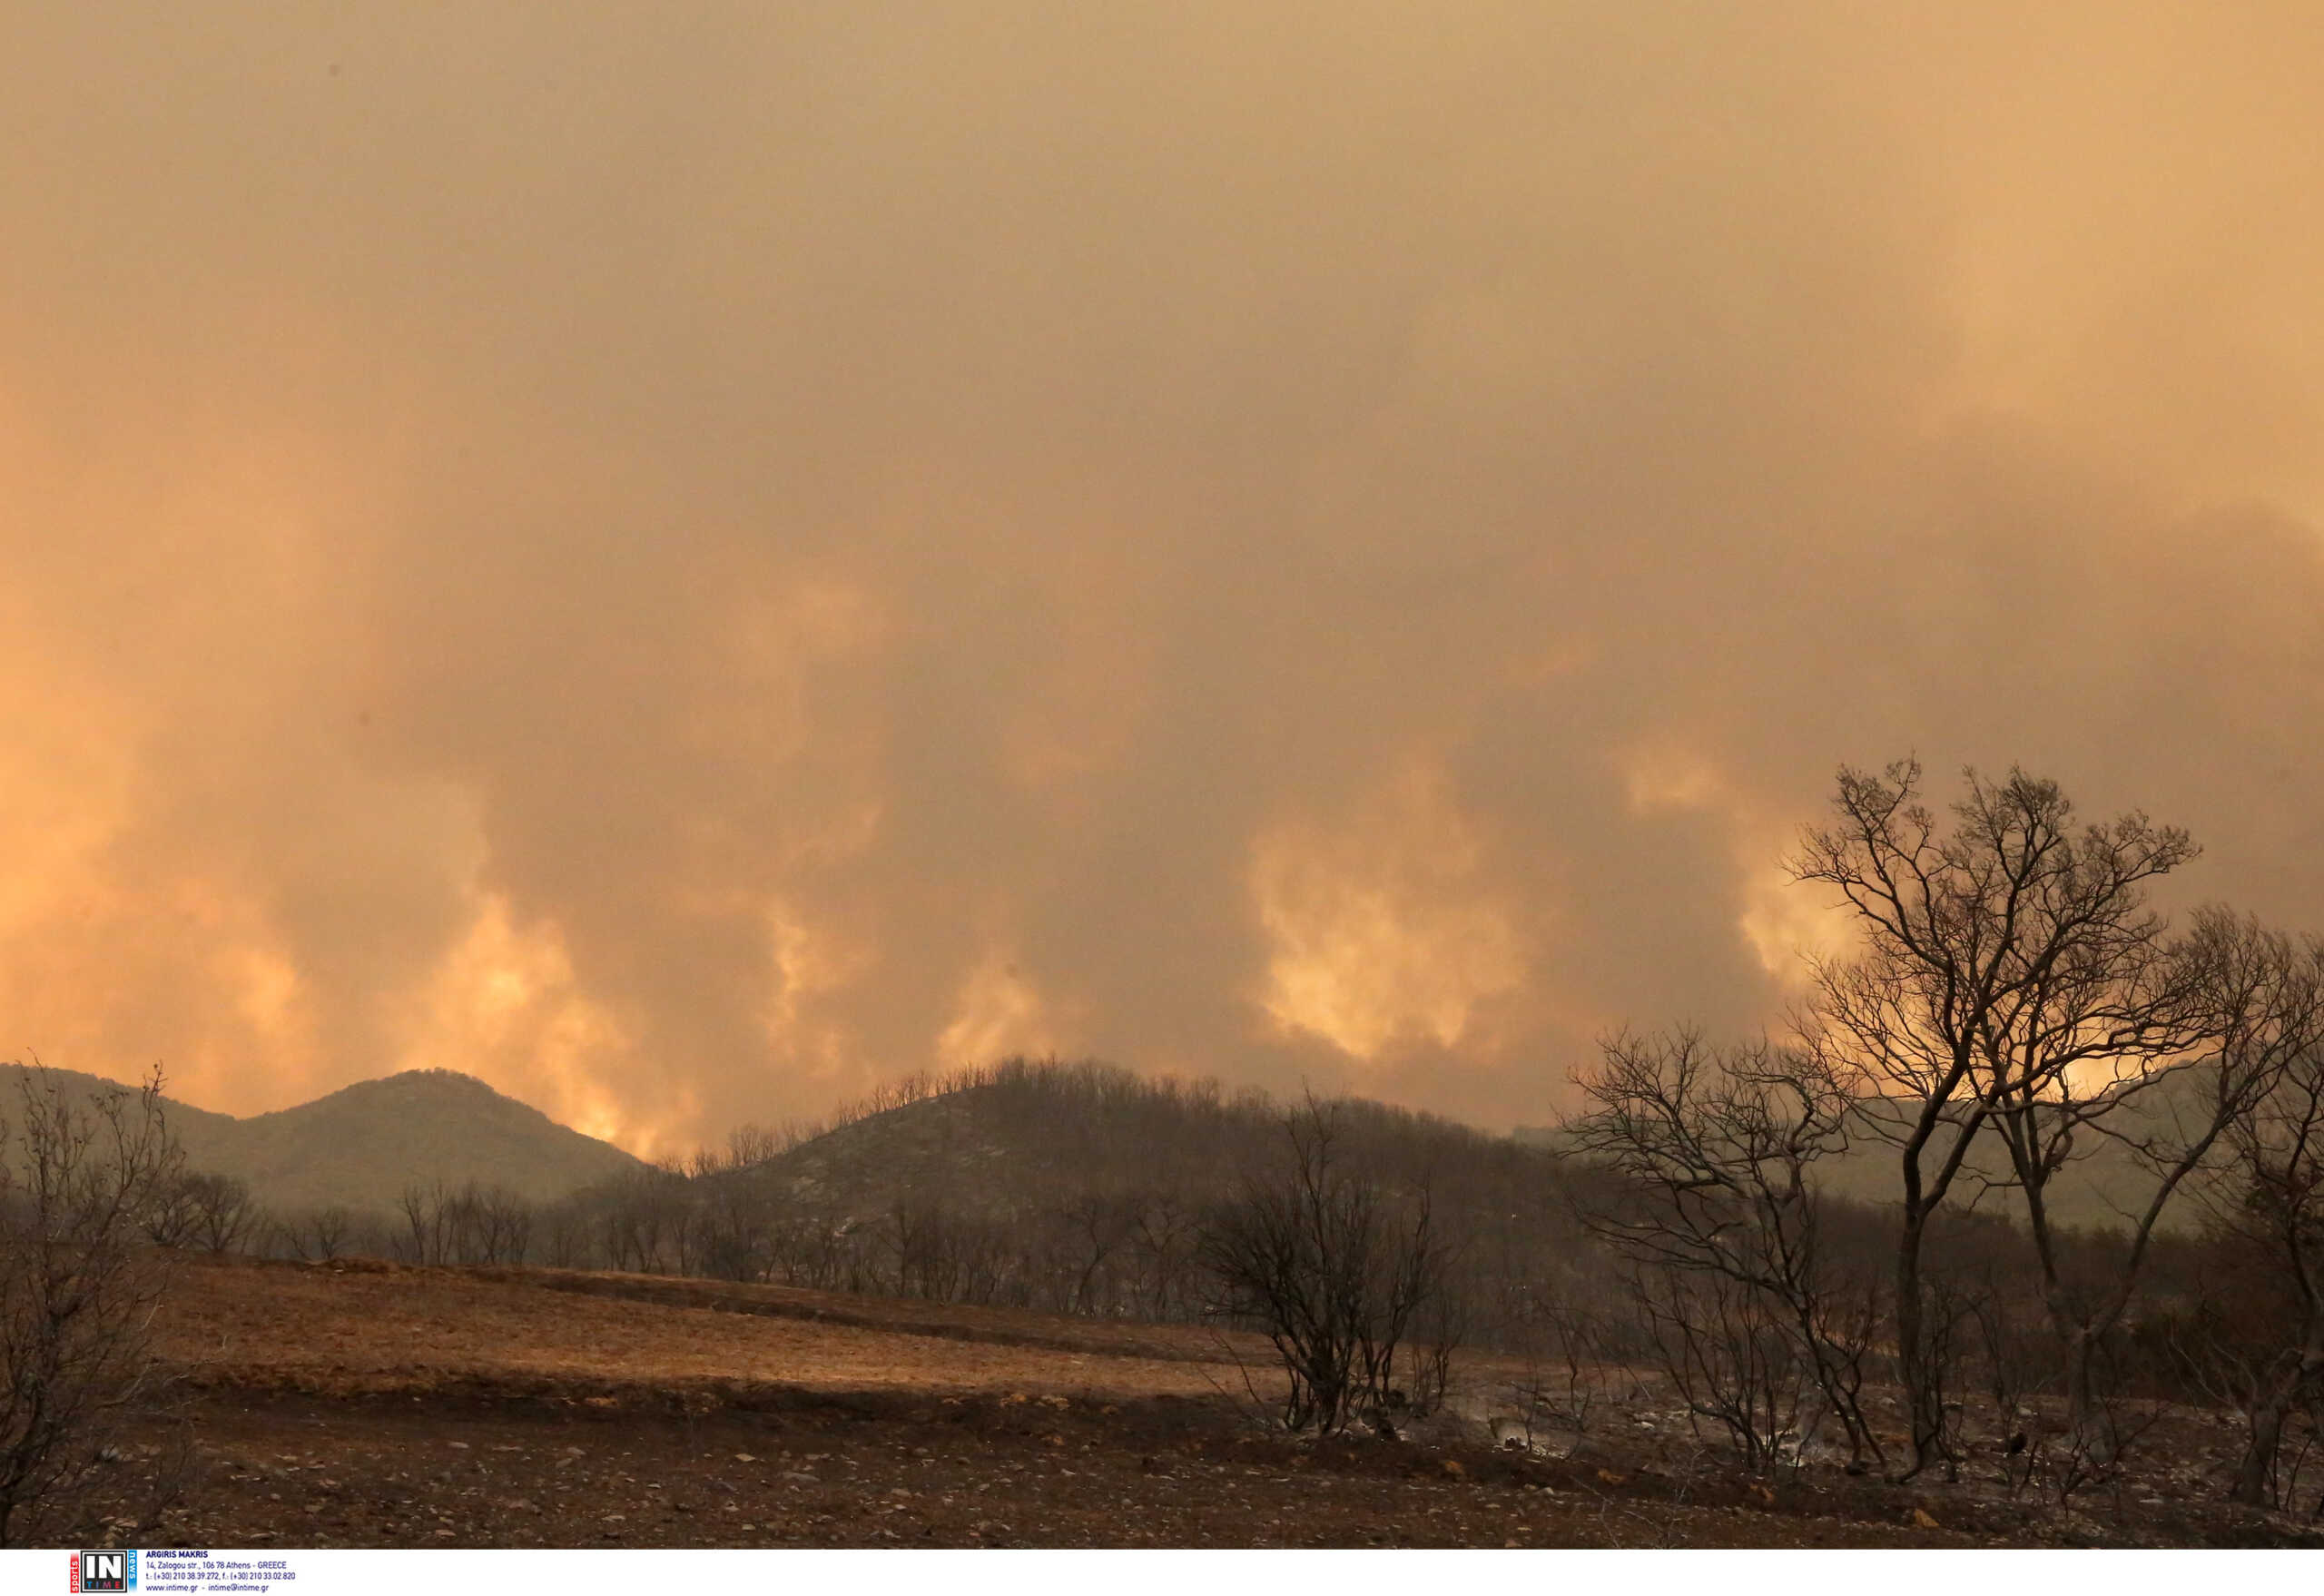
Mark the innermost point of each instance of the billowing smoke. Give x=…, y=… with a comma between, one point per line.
x=684, y=560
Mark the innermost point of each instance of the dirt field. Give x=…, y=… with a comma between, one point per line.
x=370, y=1406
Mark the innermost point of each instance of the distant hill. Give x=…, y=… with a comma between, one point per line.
x=360, y=1146
x=2092, y=1193
x=1000, y=1142
x=200, y=1132
x=1026, y=1137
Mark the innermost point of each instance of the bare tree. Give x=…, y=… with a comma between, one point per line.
x=1559, y=1336
x=566, y=1233
x=2006, y=960
x=1162, y=1244
x=1443, y=1326
x=2267, y=1215
x=170, y=1213
x=923, y=1247
x=749, y=1144
x=77, y=1293
x=641, y=1219
x=1974, y=1312
x=223, y=1213
x=1729, y=1354
x=1098, y=1225
x=319, y=1235
x=496, y=1226
x=1328, y=1267
x=736, y=1223
x=423, y=1238
x=2246, y=1004
x=1716, y=1147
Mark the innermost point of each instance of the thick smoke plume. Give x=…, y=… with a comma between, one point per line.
x=684, y=560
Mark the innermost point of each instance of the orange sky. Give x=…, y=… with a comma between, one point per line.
x=684, y=563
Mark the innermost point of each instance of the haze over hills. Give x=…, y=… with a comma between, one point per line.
x=2094, y=1191
x=360, y=1146
x=1011, y=1141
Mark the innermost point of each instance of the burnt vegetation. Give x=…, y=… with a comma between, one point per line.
x=80, y=1384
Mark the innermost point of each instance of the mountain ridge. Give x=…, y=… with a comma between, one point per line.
x=359, y=1148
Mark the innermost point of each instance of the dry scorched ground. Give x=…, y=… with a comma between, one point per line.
x=370, y=1406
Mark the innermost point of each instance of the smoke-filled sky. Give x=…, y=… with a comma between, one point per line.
x=688, y=559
